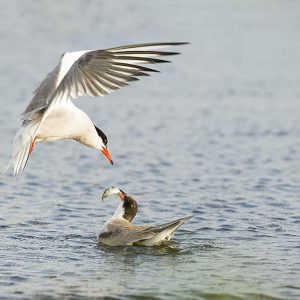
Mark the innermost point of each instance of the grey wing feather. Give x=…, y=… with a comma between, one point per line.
x=97, y=73
x=42, y=94
x=147, y=46
x=161, y=232
x=119, y=237
x=120, y=233
x=159, y=228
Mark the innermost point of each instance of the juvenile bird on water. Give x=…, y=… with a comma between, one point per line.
x=119, y=230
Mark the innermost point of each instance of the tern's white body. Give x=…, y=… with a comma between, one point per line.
x=51, y=115
x=67, y=121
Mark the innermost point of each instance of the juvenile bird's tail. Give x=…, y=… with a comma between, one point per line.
x=162, y=232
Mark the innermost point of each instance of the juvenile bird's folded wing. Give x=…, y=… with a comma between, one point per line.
x=159, y=228
x=121, y=233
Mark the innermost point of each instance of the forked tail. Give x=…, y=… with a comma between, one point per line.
x=22, y=144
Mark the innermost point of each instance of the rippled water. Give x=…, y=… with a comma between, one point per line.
x=216, y=134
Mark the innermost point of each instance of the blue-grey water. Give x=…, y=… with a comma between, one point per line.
x=216, y=134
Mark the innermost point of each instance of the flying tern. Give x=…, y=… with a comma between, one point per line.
x=51, y=114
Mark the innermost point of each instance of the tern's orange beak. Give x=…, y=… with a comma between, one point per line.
x=107, y=154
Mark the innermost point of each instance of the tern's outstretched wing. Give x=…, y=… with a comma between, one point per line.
x=95, y=73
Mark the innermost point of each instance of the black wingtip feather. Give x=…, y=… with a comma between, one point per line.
x=133, y=79
x=137, y=59
x=145, y=52
x=179, y=43
x=141, y=68
x=163, y=44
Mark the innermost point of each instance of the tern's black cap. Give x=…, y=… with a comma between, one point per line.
x=102, y=135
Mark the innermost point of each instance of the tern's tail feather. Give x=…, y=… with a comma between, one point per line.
x=21, y=147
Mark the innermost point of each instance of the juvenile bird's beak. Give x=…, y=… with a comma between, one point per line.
x=122, y=195
x=107, y=154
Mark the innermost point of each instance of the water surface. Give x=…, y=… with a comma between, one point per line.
x=216, y=134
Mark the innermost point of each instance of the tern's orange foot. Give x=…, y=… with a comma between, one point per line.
x=32, y=146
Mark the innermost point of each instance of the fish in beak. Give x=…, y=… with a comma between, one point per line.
x=113, y=191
